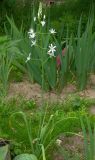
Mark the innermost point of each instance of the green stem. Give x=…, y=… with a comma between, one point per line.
x=42, y=81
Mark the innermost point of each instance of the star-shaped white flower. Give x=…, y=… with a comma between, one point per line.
x=28, y=58
x=51, y=50
x=43, y=23
x=52, y=31
x=33, y=43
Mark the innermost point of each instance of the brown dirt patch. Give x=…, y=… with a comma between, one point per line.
x=33, y=91
x=74, y=145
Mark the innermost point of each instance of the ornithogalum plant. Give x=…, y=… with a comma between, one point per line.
x=41, y=61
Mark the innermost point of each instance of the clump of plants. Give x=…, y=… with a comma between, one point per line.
x=7, y=55
x=52, y=60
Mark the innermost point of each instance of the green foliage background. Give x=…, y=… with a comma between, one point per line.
x=66, y=13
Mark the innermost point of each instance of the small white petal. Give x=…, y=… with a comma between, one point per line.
x=51, y=54
x=32, y=35
x=28, y=58
x=29, y=54
x=44, y=17
x=33, y=43
x=31, y=31
x=52, y=31
x=43, y=23
x=34, y=19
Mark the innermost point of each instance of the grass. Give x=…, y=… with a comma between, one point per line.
x=14, y=129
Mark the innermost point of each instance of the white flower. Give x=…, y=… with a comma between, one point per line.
x=44, y=17
x=43, y=23
x=33, y=43
x=34, y=19
x=58, y=142
x=32, y=35
x=52, y=31
x=31, y=31
x=28, y=58
x=51, y=50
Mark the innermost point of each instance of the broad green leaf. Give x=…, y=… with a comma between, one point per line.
x=4, y=152
x=26, y=157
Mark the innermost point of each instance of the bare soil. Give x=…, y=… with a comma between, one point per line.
x=73, y=145
x=33, y=91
